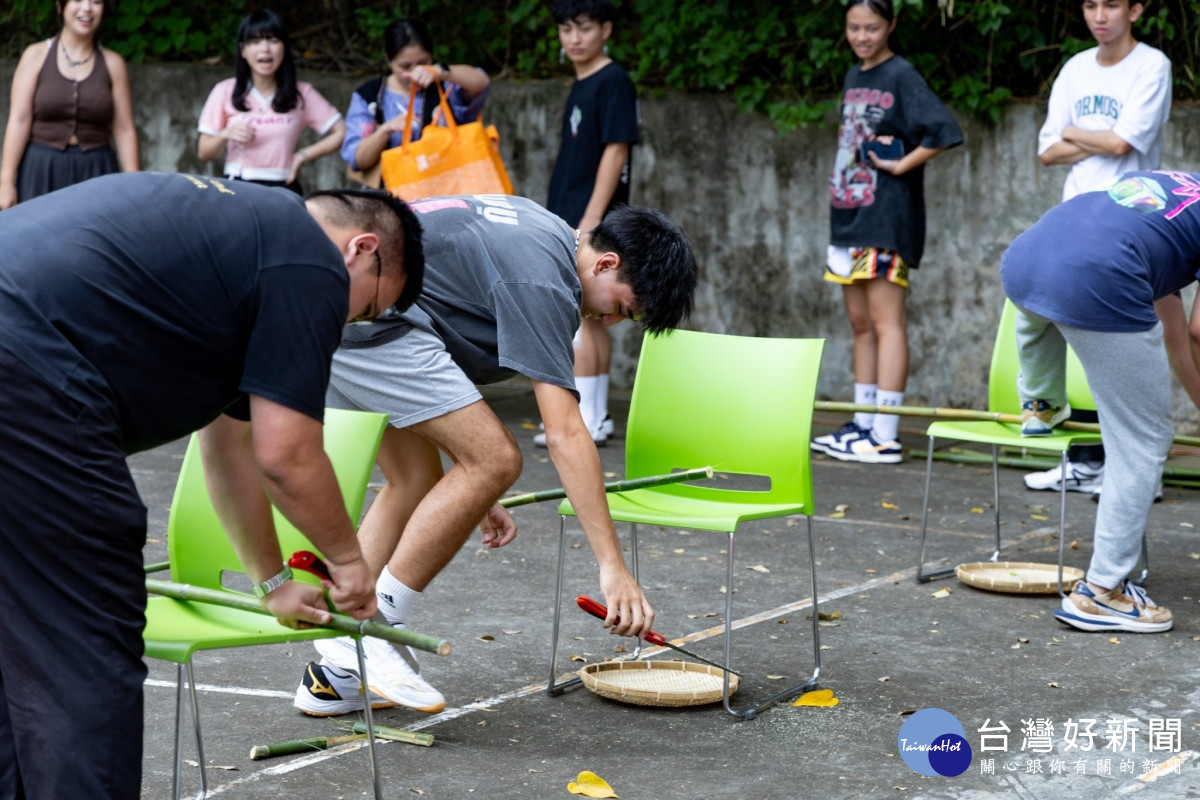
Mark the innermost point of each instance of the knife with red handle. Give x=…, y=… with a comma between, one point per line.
x=597, y=610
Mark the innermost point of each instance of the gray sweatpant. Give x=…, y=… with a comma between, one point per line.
x=1130, y=379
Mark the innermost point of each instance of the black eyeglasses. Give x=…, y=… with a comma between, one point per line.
x=372, y=312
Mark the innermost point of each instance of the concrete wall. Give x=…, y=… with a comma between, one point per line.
x=755, y=207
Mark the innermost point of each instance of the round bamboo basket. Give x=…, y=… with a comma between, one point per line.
x=1017, y=577
x=657, y=683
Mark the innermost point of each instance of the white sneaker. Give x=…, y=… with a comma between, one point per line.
x=326, y=691
x=1080, y=478
x=389, y=673
x=1158, y=495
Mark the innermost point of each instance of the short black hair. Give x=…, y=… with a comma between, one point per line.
x=882, y=8
x=656, y=260
x=565, y=11
x=392, y=221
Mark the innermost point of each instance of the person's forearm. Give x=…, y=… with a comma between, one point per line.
x=243, y=509
x=578, y=466
x=1062, y=152
x=472, y=79
x=916, y=158
x=210, y=148
x=608, y=176
x=371, y=147
x=125, y=139
x=16, y=137
x=330, y=143
x=1101, y=143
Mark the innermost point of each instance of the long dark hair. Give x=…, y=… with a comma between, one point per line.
x=260, y=25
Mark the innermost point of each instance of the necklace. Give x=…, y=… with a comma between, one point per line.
x=72, y=63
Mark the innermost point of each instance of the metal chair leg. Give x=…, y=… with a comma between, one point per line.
x=1141, y=579
x=177, y=779
x=753, y=711
x=633, y=546
x=1062, y=519
x=367, y=710
x=996, y=497
x=922, y=576
x=555, y=689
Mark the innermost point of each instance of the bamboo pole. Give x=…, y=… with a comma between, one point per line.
x=339, y=622
x=396, y=734
x=969, y=414
x=626, y=485
x=261, y=751
x=1182, y=477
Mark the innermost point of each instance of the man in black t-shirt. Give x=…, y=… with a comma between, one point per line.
x=135, y=310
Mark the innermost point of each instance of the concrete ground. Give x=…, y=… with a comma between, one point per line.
x=890, y=646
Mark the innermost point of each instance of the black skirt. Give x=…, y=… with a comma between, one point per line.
x=44, y=169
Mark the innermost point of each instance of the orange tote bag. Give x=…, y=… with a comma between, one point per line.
x=455, y=159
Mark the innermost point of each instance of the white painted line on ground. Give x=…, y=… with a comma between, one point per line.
x=208, y=687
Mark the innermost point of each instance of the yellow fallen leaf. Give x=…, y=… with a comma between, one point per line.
x=759, y=568
x=871, y=571
x=976, y=510
x=610, y=474
x=941, y=593
x=1114, y=640
x=822, y=698
x=1039, y=517
x=529, y=426
x=837, y=515
x=776, y=677
x=678, y=550
x=886, y=504
x=589, y=784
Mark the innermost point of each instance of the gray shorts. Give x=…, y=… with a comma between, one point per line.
x=410, y=378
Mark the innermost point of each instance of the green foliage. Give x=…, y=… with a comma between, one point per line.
x=784, y=59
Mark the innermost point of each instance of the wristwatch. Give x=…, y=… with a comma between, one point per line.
x=263, y=589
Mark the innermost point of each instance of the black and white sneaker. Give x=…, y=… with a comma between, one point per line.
x=851, y=430
x=326, y=691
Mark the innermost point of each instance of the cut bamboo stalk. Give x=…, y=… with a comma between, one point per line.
x=627, y=485
x=396, y=734
x=301, y=746
x=338, y=622
x=969, y=414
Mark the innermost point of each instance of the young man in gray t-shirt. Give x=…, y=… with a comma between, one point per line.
x=506, y=286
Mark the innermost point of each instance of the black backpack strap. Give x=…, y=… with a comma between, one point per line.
x=372, y=92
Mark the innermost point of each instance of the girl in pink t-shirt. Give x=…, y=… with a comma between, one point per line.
x=257, y=116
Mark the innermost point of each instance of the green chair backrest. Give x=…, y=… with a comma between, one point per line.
x=198, y=549
x=1002, y=379
x=740, y=404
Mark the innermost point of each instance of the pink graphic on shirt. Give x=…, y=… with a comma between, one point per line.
x=439, y=204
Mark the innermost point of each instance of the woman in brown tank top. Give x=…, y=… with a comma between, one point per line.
x=70, y=98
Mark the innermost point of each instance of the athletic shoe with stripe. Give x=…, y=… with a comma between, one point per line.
x=326, y=691
x=866, y=449
x=1080, y=478
x=851, y=429
x=1125, y=608
x=1039, y=418
x=391, y=674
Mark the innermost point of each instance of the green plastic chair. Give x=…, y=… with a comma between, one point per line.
x=1002, y=397
x=742, y=405
x=201, y=555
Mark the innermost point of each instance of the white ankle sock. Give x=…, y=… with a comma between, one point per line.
x=601, y=403
x=395, y=599
x=587, y=387
x=887, y=425
x=864, y=395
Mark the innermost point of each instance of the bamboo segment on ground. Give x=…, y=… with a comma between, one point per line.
x=261, y=751
x=627, y=485
x=338, y=622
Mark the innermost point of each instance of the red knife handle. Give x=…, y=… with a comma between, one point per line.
x=309, y=562
x=597, y=610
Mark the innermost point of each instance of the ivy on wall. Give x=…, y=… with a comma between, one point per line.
x=785, y=59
